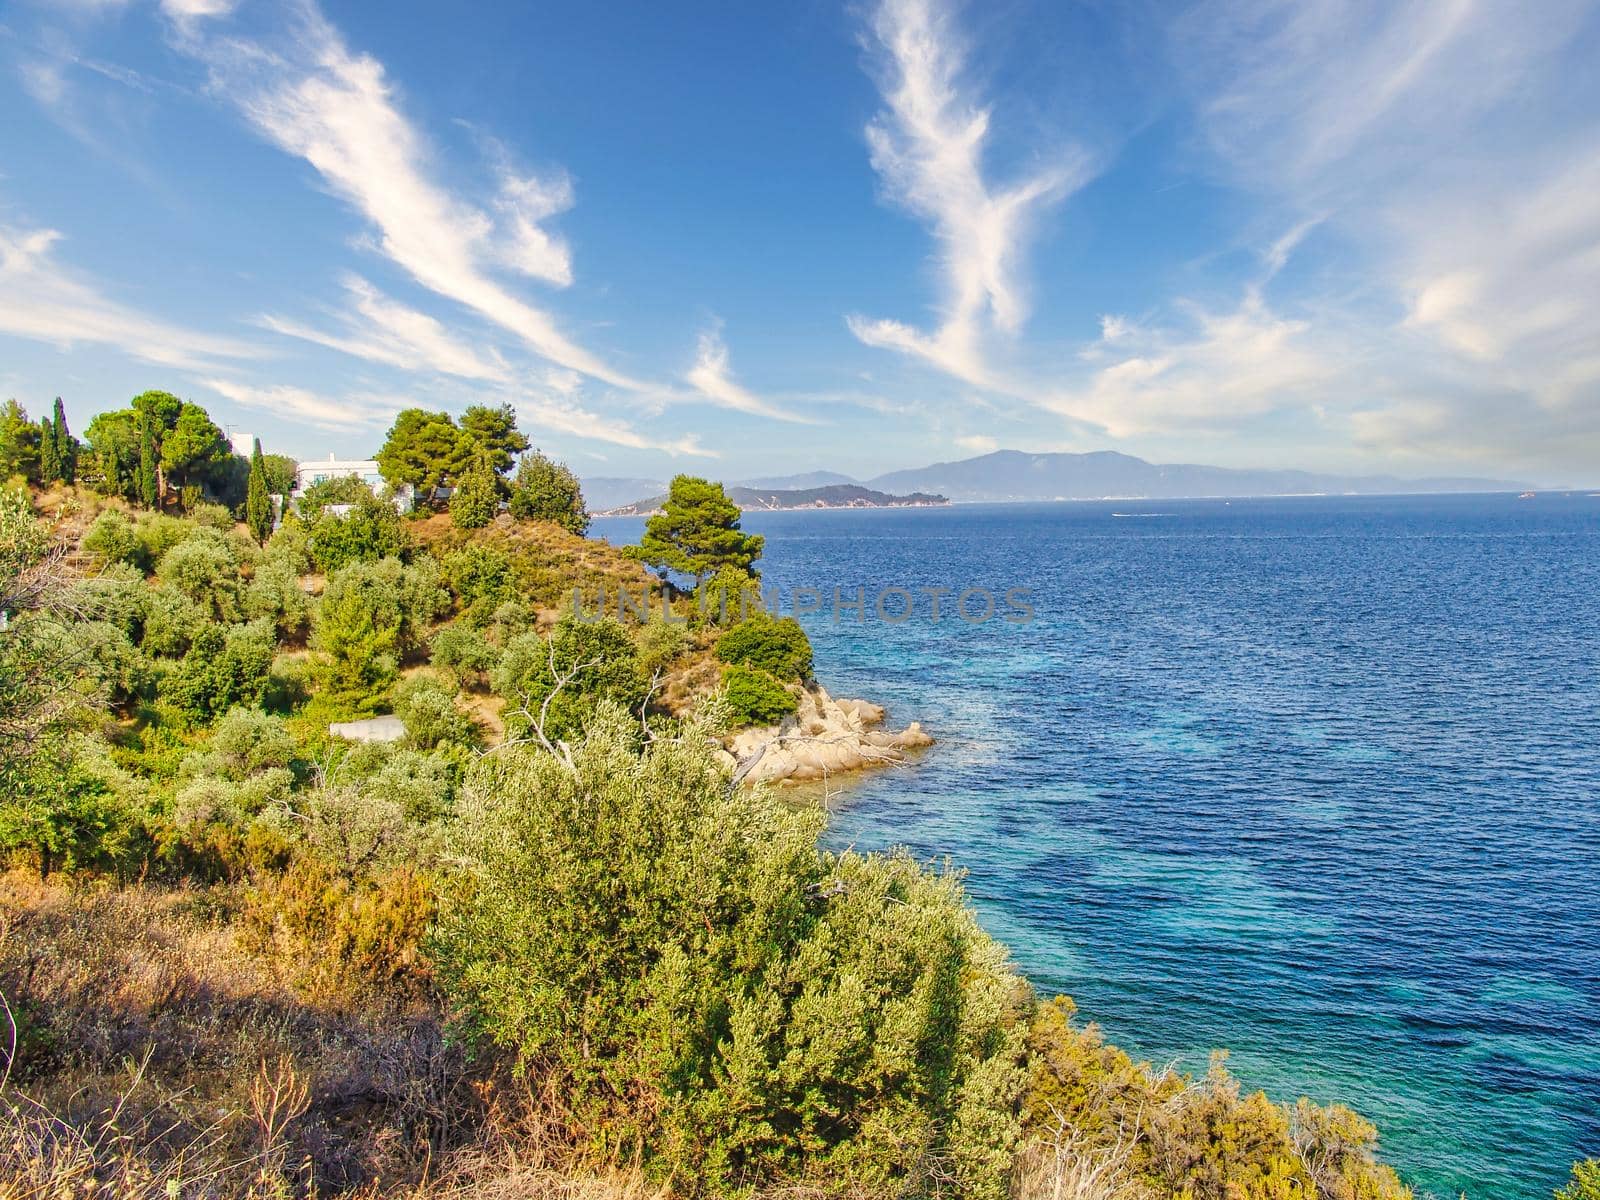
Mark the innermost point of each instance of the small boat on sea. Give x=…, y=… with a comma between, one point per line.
x=1526, y=496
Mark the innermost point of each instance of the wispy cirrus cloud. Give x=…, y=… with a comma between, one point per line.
x=46, y=300
x=379, y=329
x=1222, y=367
x=1450, y=146
x=356, y=412
x=314, y=98
x=712, y=377
x=928, y=147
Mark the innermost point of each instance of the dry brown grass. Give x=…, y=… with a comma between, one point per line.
x=147, y=1053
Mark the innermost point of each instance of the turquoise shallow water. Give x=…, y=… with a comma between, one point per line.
x=1317, y=780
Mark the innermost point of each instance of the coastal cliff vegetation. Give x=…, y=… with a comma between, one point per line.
x=542, y=944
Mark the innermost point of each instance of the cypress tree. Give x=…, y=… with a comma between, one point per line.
x=66, y=446
x=257, y=504
x=49, y=463
x=147, y=465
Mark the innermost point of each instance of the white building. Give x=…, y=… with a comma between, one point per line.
x=243, y=444
x=320, y=471
x=364, y=469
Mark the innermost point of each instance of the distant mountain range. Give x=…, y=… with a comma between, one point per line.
x=833, y=495
x=1012, y=475
x=603, y=493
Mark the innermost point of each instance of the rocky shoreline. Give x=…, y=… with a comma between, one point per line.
x=825, y=737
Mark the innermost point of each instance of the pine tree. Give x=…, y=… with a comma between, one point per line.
x=149, y=492
x=257, y=504
x=66, y=446
x=49, y=463
x=697, y=532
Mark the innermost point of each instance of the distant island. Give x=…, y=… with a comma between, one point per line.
x=834, y=495
x=1014, y=475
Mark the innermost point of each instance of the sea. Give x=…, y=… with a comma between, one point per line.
x=1313, y=779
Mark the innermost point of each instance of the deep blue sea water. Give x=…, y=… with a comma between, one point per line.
x=1317, y=780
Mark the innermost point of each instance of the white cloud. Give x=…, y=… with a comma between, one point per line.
x=563, y=414
x=348, y=413
x=380, y=329
x=1225, y=367
x=44, y=82
x=524, y=245
x=315, y=99
x=194, y=10
x=978, y=443
x=713, y=379
x=1451, y=147
x=928, y=149
x=45, y=300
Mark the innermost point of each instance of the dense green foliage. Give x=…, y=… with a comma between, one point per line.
x=697, y=532
x=755, y=697
x=19, y=444
x=493, y=435
x=545, y=490
x=556, y=683
x=370, y=616
x=755, y=1009
x=45, y=453
x=370, y=530
x=476, y=498
x=776, y=645
x=429, y=451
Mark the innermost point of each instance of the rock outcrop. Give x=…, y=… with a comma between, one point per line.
x=825, y=737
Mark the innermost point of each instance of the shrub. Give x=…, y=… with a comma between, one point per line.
x=465, y=653
x=1585, y=1182
x=246, y=740
x=659, y=643
x=64, y=813
x=756, y=698
x=211, y=516
x=222, y=668
x=423, y=784
x=342, y=933
x=158, y=533
x=204, y=568
x=778, y=646
x=479, y=574
x=546, y=490
x=726, y=598
x=111, y=539
x=370, y=615
x=345, y=489
x=359, y=831
x=275, y=593
x=476, y=499
x=120, y=672
x=431, y=717
x=371, y=530
x=1148, y=1130
x=580, y=665
x=117, y=596
x=171, y=621
x=714, y=992
x=290, y=545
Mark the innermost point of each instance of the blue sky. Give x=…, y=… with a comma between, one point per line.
x=745, y=239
